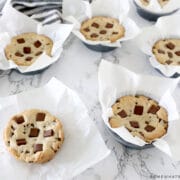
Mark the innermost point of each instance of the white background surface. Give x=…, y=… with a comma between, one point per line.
x=77, y=68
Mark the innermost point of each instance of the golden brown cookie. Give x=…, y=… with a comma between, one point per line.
x=101, y=28
x=142, y=116
x=34, y=136
x=167, y=51
x=161, y=2
x=25, y=48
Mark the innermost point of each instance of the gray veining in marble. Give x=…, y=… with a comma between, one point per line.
x=77, y=68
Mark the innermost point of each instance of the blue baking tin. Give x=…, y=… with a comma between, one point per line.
x=125, y=143
x=176, y=75
x=148, y=15
x=99, y=48
x=33, y=72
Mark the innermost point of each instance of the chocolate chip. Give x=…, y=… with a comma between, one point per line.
x=153, y=109
x=141, y=134
x=138, y=110
x=27, y=50
x=161, y=51
x=86, y=29
x=34, y=132
x=27, y=152
x=168, y=62
x=170, y=46
x=95, y=25
x=149, y=128
x=134, y=124
x=40, y=116
x=21, y=40
x=103, y=32
x=115, y=33
x=59, y=139
x=37, y=147
x=19, y=120
x=37, y=44
x=122, y=114
x=146, y=122
x=177, y=53
x=94, y=35
x=12, y=128
x=170, y=54
x=20, y=142
x=19, y=54
x=48, y=133
x=28, y=58
x=38, y=53
x=109, y=25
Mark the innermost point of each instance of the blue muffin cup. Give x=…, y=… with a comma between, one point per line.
x=150, y=16
x=125, y=143
x=99, y=48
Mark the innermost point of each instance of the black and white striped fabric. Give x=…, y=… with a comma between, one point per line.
x=45, y=11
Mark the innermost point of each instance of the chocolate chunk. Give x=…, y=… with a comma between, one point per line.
x=103, y=32
x=109, y=25
x=20, y=142
x=153, y=109
x=37, y=44
x=38, y=147
x=94, y=35
x=19, y=54
x=170, y=46
x=34, y=132
x=40, y=116
x=149, y=128
x=170, y=54
x=95, y=25
x=86, y=29
x=115, y=33
x=168, y=62
x=28, y=58
x=122, y=114
x=160, y=51
x=48, y=133
x=138, y=110
x=21, y=41
x=134, y=124
x=27, y=50
x=38, y=53
x=19, y=120
x=177, y=53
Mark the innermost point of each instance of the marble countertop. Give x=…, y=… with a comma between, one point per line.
x=78, y=68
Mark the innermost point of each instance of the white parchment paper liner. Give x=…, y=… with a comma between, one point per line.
x=14, y=23
x=78, y=11
x=166, y=27
x=116, y=81
x=83, y=145
x=155, y=7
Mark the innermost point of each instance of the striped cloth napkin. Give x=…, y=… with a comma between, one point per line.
x=45, y=11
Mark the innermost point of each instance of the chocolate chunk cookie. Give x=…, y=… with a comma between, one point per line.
x=102, y=29
x=167, y=51
x=25, y=48
x=142, y=116
x=33, y=136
